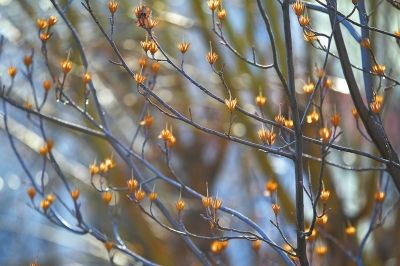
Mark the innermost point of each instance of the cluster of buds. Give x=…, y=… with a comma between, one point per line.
x=46, y=202
x=280, y=119
x=149, y=46
x=313, y=117
x=213, y=4
x=289, y=123
x=210, y=202
x=218, y=246
x=266, y=136
x=324, y=195
x=103, y=167
x=167, y=136
x=143, y=16
x=365, y=43
x=309, y=87
x=153, y=196
x=276, y=208
x=44, y=26
x=260, y=100
x=142, y=62
x=46, y=148
x=304, y=21
x=66, y=66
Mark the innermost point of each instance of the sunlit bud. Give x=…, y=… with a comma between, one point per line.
x=350, y=230
x=308, y=87
x=365, y=43
x=27, y=60
x=52, y=20
x=335, y=119
x=112, y=6
x=231, y=103
x=153, y=47
x=328, y=83
x=41, y=23
x=12, y=71
x=45, y=204
x=108, y=245
x=325, y=134
x=75, y=194
x=378, y=98
x=289, y=123
x=304, y=20
x=312, y=117
x=110, y=163
x=94, y=169
x=397, y=33
x=380, y=196
x=44, y=36
x=218, y=246
x=260, y=100
x=155, y=67
x=139, y=78
x=180, y=205
x=298, y=8
x=276, y=208
x=255, y=245
x=86, y=78
x=378, y=69
x=140, y=194
x=221, y=14
x=147, y=121
x=375, y=107
x=103, y=168
x=280, y=119
x=211, y=57
x=51, y=198
x=216, y=203
x=325, y=195
x=107, y=197
x=322, y=220
x=312, y=235
x=309, y=36
x=47, y=85
x=66, y=66
x=213, y=4
x=145, y=45
x=153, y=196
x=142, y=62
x=354, y=112
x=321, y=250
x=271, y=186
x=207, y=201
x=31, y=192
x=183, y=47
x=266, y=136
x=132, y=184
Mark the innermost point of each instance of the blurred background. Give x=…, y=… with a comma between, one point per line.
x=235, y=173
